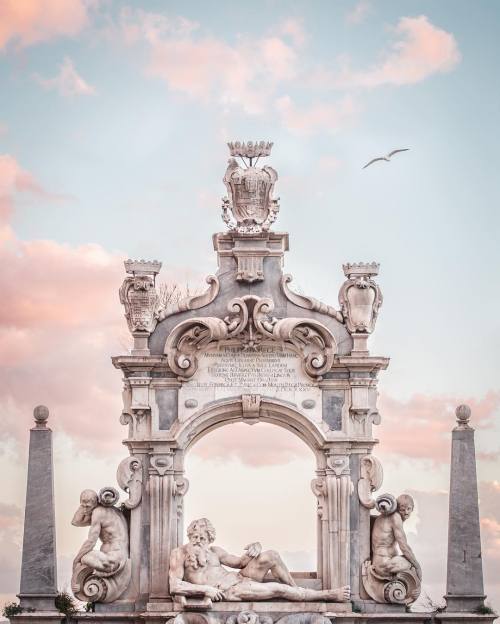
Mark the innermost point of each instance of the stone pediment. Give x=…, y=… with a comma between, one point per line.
x=237, y=253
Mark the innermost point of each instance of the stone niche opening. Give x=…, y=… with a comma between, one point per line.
x=254, y=483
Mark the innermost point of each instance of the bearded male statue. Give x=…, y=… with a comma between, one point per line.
x=197, y=569
x=101, y=575
x=393, y=575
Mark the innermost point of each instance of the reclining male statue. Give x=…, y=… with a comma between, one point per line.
x=197, y=569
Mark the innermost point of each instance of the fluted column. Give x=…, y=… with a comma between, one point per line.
x=464, y=583
x=39, y=570
x=337, y=486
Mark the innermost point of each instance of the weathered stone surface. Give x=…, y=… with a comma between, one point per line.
x=167, y=403
x=464, y=583
x=39, y=570
x=198, y=568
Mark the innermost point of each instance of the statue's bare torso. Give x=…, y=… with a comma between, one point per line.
x=197, y=568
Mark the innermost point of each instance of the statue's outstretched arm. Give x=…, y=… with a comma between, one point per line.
x=406, y=550
x=233, y=561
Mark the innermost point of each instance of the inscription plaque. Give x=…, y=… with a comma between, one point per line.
x=268, y=371
x=232, y=367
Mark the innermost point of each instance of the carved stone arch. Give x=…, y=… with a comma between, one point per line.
x=268, y=410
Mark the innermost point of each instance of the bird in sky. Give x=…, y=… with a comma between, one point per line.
x=387, y=158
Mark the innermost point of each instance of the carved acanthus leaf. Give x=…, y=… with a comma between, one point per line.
x=192, y=303
x=309, y=303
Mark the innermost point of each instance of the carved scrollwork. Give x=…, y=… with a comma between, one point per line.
x=192, y=303
x=310, y=338
x=309, y=303
x=249, y=617
x=188, y=339
x=251, y=323
x=129, y=478
x=371, y=477
x=400, y=588
x=318, y=487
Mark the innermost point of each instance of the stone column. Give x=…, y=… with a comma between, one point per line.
x=337, y=490
x=464, y=583
x=39, y=570
x=163, y=518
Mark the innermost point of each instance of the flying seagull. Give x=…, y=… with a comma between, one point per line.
x=387, y=158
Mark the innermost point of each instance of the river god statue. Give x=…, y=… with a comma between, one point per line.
x=197, y=569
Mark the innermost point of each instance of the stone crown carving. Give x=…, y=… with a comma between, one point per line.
x=249, y=206
x=142, y=267
x=250, y=323
x=250, y=149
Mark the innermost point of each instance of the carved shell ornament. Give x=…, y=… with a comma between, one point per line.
x=250, y=323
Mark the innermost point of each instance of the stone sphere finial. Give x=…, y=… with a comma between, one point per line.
x=41, y=415
x=463, y=416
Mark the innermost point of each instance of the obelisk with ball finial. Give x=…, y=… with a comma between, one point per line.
x=464, y=583
x=39, y=572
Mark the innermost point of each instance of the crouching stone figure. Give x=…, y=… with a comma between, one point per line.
x=101, y=575
x=393, y=575
x=196, y=569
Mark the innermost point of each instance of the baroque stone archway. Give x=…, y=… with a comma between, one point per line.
x=253, y=409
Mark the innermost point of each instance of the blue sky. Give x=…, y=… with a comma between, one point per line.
x=113, y=123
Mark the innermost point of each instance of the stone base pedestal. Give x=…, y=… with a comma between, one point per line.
x=39, y=617
x=464, y=603
x=304, y=612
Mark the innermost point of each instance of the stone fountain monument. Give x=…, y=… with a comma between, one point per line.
x=251, y=349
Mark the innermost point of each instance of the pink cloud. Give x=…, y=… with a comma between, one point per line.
x=204, y=67
x=68, y=81
x=359, y=12
x=14, y=180
x=421, y=51
x=27, y=22
x=62, y=323
x=420, y=427
x=319, y=117
x=59, y=330
x=10, y=551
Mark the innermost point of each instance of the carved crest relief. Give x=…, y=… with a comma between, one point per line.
x=249, y=206
x=250, y=323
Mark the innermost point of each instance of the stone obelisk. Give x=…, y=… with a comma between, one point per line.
x=39, y=571
x=464, y=583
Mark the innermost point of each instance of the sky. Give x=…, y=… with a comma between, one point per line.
x=113, y=123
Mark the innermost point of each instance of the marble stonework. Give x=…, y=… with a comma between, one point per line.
x=252, y=349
